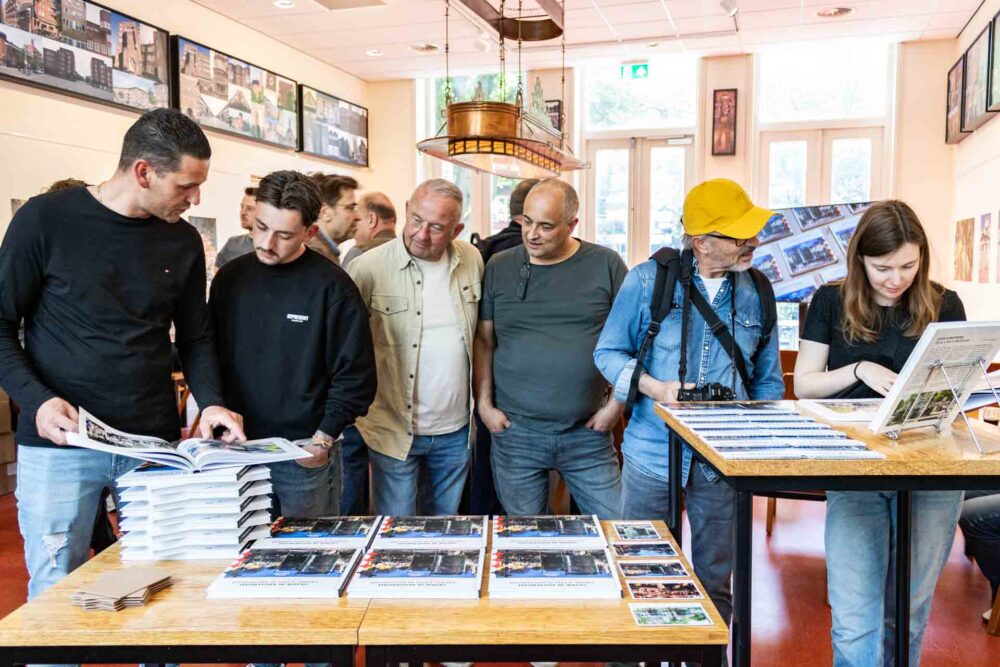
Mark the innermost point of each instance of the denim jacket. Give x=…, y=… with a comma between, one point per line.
x=645, y=443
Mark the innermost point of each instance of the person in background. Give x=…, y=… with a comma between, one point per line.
x=338, y=217
x=99, y=275
x=511, y=235
x=237, y=246
x=537, y=389
x=857, y=336
x=376, y=224
x=422, y=290
x=980, y=523
x=294, y=345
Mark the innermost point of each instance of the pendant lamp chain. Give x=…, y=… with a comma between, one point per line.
x=520, y=83
x=447, y=49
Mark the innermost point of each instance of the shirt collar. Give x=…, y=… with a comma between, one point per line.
x=404, y=258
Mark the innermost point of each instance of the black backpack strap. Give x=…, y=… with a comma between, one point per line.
x=667, y=270
x=768, y=306
x=721, y=333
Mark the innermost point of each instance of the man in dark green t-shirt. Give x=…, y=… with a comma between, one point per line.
x=537, y=389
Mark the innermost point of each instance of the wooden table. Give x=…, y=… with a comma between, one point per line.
x=920, y=459
x=179, y=624
x=506, y=630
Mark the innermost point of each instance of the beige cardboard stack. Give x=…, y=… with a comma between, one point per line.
x=113, y=591
x=8, y=450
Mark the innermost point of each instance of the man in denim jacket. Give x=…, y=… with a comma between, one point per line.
x=720, y=225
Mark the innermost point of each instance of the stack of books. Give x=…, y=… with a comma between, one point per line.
x=300, y=558
x=551, y=557
x=172, y=514
x=423, y=557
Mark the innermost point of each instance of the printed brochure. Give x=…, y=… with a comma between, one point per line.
x=552, y=574
x=548, y=532
x=437, y=532
x=335, y=532
x=286, y=573
x=670, y=614
x=418, y=573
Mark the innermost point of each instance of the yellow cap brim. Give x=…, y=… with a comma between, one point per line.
x=748, y=225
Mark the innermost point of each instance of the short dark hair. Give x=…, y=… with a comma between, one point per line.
x=66, y=184
x=291, y=191
x=332, y=186
x=379, y=204
x=519, y=194
x=250, y=192
x=162, y=137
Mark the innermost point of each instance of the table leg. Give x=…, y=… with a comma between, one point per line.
x=742, y=573
x=676, y=461
x=712, y=657
x=375, y=656
x=903, y=532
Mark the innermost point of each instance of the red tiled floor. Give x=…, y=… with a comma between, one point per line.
x=790, y=619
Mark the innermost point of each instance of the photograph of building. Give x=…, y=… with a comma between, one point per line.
x=227, y=94
x=334, y=128
x=86, y=49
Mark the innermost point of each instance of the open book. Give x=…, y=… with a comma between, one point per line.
x=193, y=454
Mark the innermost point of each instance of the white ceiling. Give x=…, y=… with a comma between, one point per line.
x=615, y=29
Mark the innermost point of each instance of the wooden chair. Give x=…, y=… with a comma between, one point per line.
x=993, y=625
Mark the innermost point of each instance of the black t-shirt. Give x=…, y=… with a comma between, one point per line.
x=98, y=292
x=294, y=346
x=824, y=324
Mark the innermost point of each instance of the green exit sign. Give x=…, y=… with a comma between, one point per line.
x=635, y=71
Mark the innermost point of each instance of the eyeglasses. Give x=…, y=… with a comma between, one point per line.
x=739, y=242
x=522, y=284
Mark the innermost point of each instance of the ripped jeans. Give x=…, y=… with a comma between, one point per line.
x=58, y=489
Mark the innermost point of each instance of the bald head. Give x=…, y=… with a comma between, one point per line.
x=561, y=190
x=433, y=219
x=377, y=214
x=549, y=220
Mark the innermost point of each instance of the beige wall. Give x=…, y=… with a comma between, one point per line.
x=718, y=74
x=392, y=126
x=976, y=177
x=47, y=136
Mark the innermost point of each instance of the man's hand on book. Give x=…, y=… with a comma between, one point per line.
x=215, y=416
x=54, y=417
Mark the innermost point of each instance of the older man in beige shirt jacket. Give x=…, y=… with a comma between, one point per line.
x=422, y=293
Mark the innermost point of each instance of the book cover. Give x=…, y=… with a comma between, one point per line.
x=552, y=573
x=335, y=532
x=286, y=573
x=439, y=532
x=567, y=532
x=418, y=573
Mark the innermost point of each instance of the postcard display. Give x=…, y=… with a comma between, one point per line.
x=805, y=247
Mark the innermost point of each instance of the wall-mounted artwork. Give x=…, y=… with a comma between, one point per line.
x=993, y=97
x=977, y=74
x=553, y=109
x=209, y=239
x=227, y=94
x=85, y=49
x=964, y=231
x=333, y=128
x=985, y=233
x=724, y=122
x=953, y=125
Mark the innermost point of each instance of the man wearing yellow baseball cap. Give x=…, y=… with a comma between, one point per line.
x=728, y=350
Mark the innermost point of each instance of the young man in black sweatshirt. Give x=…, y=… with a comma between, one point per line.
x=294, y=344
x=98, y=275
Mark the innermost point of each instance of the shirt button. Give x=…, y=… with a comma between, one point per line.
x=414, y=345
x=418, y=312
x=418, y=282
x=408, y=406
x=411, y=376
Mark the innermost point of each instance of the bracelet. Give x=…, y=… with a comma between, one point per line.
x=856, y=367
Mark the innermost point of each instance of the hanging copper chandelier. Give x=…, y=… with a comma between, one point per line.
x=502, y=138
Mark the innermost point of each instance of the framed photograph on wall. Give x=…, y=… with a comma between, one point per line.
x=724, y=122
x=229, y=95
x=332, y=128
x=993, y=97
x=977, y=74
x=86, y=50
x=553, y=109
x=953, y=132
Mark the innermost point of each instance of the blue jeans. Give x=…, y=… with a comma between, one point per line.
x=710, y=510
x=58, y=490
x=980, y=522
x=585, y=459
x=435, y=468
x=860, y=527
x=307, y=493
x=355, y=462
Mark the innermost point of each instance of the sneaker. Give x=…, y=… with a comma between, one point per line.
x=987, y=614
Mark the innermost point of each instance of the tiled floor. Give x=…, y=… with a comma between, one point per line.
x=790, y=620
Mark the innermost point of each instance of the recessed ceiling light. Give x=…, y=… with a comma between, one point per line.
x=284, y=4
x=835, y=12
x=374, y=53
x=423, y=47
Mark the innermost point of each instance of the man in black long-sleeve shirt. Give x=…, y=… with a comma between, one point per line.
x=98, y=275
x=294, y=344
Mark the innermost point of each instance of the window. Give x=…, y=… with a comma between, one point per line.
x=666, y=98
x=844, y=80
x=500, y=189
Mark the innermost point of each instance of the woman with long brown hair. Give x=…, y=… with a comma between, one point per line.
x=857, y=336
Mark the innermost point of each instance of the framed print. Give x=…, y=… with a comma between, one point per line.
x=993, y=98
x=953, y=132
x=223, y=93
x=553, y=109
x=86, y=50
x=332, y=128
x=977, y=73
x=724, y=122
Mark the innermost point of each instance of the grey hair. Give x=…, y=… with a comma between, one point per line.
x=441, y=187
x=686, y=240
x=571, y=201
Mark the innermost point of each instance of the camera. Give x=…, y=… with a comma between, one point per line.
x=708, y=392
